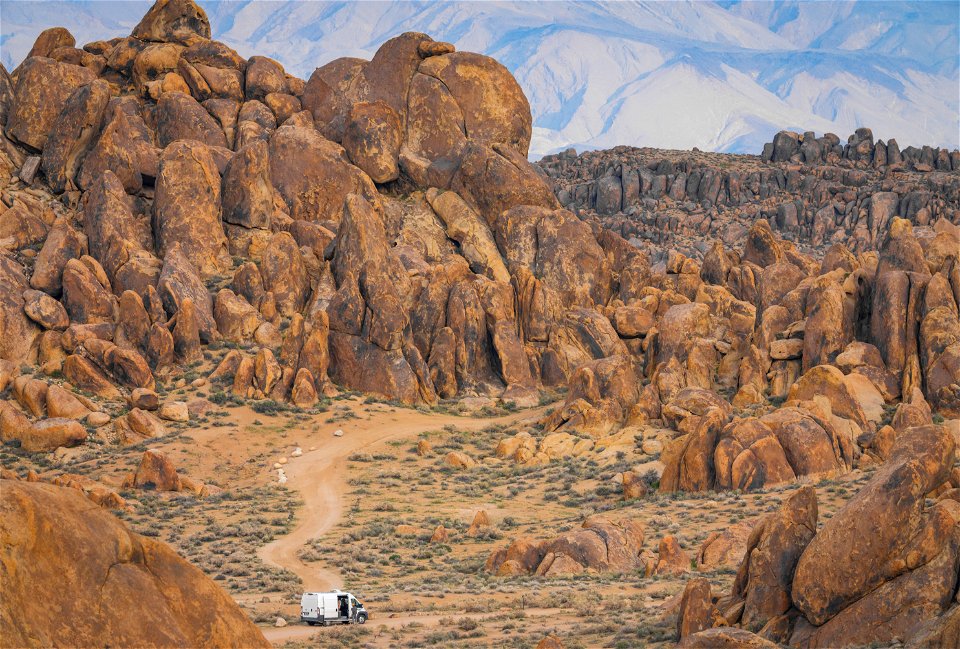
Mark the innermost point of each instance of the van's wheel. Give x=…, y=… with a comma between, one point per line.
x=361, y=619
x=309, y=623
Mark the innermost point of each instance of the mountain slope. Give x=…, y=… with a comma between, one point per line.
x=720, y=76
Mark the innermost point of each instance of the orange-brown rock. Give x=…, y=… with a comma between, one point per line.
x=440, y=535
x=156, y=471
x=827, y=329
x=689, y=460
x=466, y=227
x=19, y=332
x=137, y=426
x=600, y=545
x=86, y=296
x=63, y=242
x=52, y=433
x=284, y=274
x=13, y=423
x=480, y=521
x=74, y=133
x=762, y=247
x=62, y=403
x=186, y=210
x=495, y=178
x=51, y=39
x=764, y=578
x=372, y=139
x=180, y=117
x=550, y=642
x=85, y=375
x=600, y=396
x=313, y=174
x=178, y=21
x=246, y=188
x=697, y=611
x=303, y=393
x=727, y=548
x=725, y=638
x=186, y=332
x=43, y=87
x=31, y=394
x=179, y=281
x=44, y=310
x=810, y=443
x=52, y=534
x=125, y=147
x=451, y=95
x=633, y=485
x=671, y=558
x=881, y=533
x=459, y=460
x=264, y=76
x=236, y=319
x=749, y=456
x=159, y=346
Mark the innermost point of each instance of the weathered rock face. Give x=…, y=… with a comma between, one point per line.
x=43, y=87
x=186, y=210
x=884, y=569
x=284, y=274
x=156, y=471
x=20, y=332
x=775, y=545
x=247, y=191
x=600, y=545
x=838, y=568
x=180, y=117
x=74, y=132
x=313, y=174
x=52, y=533
x=372, y=140
x=179, y=21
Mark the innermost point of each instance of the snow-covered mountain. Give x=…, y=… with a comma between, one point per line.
x=720, y=76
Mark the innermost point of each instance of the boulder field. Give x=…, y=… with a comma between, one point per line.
x=379, y=228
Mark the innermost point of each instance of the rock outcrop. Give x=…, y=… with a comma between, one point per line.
x=884, y=569
x=50, y=534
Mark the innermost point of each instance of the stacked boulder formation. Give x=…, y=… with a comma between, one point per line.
x=814, y=191
x=883, y=570
x=376, y=227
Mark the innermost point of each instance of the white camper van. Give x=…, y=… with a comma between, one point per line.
x=331, y=608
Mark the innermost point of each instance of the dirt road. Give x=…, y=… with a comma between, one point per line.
x=281, y=635
x=321, y=478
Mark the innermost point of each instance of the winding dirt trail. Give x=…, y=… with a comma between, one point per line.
x=321, y=478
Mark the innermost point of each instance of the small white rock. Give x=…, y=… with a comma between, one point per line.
x=277, y=465
x=313, y=448
x=282, y=460
x=280, y=622
x=338, y=433
x=297, y=452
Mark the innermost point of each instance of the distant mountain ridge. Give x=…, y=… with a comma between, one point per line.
x=720, y=76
